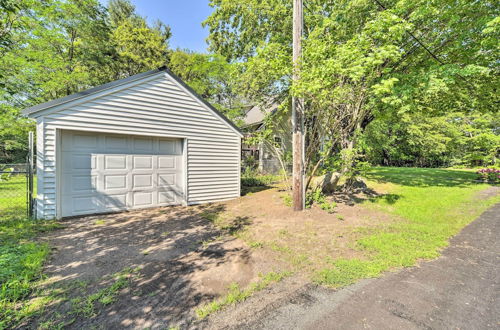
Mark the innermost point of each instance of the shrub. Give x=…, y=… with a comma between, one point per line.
x=489, y=175
x=251, y=178
x=317, y=197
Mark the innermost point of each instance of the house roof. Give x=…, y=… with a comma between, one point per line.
x=257, y=113
x=31, y=111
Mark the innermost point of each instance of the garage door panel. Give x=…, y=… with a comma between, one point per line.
x=166, y=162
x=142, y=162
x=169, y=147
x=115, y=182
x=141, y=198
x=79, y=161
x=142, y=181
x=83, y=183
x=166, y=197
x=116, y=143
x=166, y=179
x=84, y=141
x=119, y=172
x=84, y=204
x=115, y=162
x=114, y=201
x=143, y=144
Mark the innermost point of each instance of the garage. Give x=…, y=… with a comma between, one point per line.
x=143, y=141
x=111, y=172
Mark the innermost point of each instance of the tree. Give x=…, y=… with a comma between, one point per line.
x=53, y=48
x=212, y=77
x=363, y=59
x=139, y=47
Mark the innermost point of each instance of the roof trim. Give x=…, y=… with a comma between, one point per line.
x=50, y=104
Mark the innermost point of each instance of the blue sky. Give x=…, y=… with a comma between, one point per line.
x=184, y=18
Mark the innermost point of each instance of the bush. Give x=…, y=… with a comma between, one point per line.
x=317, y=197
x=489, y=175
x=251, y=178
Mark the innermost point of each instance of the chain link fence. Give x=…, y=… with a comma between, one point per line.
x=13, y=190
x=17, y=185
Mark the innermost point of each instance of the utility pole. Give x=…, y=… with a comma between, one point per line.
x=297, y=112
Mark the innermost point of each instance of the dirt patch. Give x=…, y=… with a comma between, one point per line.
x=305, y=240
x=487, y=193
x=176, y=261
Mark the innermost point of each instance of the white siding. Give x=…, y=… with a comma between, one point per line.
x=156, y=106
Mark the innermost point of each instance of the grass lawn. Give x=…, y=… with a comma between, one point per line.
x=13, y=196
x=432, y=205
x=21, y=258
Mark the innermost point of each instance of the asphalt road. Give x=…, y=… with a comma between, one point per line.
x=459, y=290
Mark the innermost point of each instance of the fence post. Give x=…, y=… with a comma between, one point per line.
x=29, y=174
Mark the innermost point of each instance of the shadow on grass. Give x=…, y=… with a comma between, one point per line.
x=421, y=177
x=358, y=196
x=245, y=190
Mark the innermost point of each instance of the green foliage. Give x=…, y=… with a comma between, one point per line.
x=251, y=178
x=59, y=47
x=86, y=306
x=491, y=175
x=362, y=62
x=455, y=139
x=21, y=261
x=426, y=222
x=287, y=200
x=317, y=197
x=212, y=77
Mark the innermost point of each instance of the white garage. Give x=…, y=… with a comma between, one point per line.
x=144, y=141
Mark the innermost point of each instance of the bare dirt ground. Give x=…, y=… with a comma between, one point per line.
x=176, y=260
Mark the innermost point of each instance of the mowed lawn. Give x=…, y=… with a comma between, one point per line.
x=432, y=205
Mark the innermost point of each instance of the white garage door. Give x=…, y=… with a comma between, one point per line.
x=108, y=172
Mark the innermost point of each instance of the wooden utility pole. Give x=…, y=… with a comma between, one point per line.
x=297, y=112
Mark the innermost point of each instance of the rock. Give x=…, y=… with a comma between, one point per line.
x=327, y=183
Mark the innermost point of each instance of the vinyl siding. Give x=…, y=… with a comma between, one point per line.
x=156, y=106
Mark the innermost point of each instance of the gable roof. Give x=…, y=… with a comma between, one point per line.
x=257, y=113
x=32, y=111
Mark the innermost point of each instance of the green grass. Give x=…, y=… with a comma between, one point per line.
x=21, y=257
x=236, y=294
x=432, y=205
x=13, y=196
x=21, y=261
x=87, y=306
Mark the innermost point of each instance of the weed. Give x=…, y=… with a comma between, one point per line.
x=236, y=294
x=100, y=222
x=340, y=217
x=86, y=306
x=280, y=248
x=256, y=245
x=165, y=234
x=287, y=199
x=283, y=232
x=317, y=197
